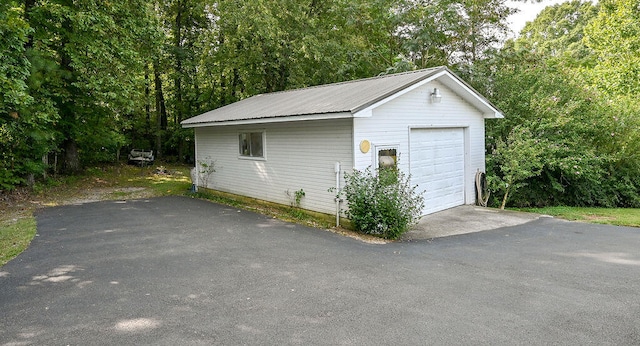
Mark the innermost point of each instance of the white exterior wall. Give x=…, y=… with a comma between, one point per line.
x=391, y=122
x=298, y=155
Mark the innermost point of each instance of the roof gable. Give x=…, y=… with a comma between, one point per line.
x=329, y=101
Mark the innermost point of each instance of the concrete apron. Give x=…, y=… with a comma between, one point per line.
x=465, y=219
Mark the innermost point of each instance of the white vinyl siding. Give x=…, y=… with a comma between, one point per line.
x=390, y=124
x=300, y=155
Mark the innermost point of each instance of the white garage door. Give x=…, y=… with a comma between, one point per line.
x=437, y=166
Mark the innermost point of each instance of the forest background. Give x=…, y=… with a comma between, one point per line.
x=84, y=81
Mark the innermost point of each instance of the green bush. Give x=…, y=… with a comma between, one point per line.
x=382, y=203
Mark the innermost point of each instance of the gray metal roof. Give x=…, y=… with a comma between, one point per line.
x=345, y=97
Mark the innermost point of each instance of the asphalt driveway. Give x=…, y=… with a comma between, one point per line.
x=180, y=271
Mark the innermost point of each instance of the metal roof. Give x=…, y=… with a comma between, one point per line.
x=338, y=99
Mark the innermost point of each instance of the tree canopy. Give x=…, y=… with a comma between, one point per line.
x=83, y=81
x=560, y=82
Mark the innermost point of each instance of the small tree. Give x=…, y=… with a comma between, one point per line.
x=519, y=158
x=206, y=168
x=382, y=202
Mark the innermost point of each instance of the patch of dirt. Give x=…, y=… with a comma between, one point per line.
x=14, y=205
x=16, y=196
x=598, y=218
x=20, y=203
x=107, y=193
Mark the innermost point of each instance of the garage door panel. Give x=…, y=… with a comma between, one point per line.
x=437, y=166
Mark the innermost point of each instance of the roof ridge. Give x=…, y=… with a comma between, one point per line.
x=355, y=80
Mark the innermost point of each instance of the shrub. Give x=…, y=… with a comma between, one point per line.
x=382, y=203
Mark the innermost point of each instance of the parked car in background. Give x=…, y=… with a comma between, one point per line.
x=141, y=157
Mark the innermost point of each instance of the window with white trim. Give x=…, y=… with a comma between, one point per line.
x=387, y=157
x=251, y=144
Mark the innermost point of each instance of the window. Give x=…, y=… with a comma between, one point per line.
x=252, y=144
x=387, y=157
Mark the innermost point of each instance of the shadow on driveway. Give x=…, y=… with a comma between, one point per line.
x=176, y=270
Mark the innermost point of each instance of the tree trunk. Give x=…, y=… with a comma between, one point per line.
x=31, y=180
x=177, y=115
x=71, y=162
x=45, y=162
x=161, y=112
x=181, y=150
x=147, y=101
x=71, y=157
x=234, y=85
x=504, y=199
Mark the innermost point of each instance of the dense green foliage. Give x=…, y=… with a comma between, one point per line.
x=382, y=203
x=520, y=158
x=86, y=81
x=552, y=82
x=16, y=129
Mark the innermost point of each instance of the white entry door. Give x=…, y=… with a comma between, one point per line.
x=437, y=166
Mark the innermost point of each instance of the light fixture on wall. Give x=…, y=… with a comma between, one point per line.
x=436, y=97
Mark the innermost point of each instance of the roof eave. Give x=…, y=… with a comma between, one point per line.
x=493, y=115
x=277, y=119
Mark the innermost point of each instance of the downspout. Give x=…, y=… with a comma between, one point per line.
x=196, y=179
x=337, y=171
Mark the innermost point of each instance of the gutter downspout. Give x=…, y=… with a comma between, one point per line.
x=337, y=199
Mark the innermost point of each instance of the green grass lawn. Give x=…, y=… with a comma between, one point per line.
x=15, y=236
x=612, y=216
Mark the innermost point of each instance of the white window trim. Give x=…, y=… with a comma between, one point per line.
x=264, y=145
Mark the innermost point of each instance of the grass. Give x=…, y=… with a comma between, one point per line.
x=282, y=212
x=15, y=236
x=629, y=217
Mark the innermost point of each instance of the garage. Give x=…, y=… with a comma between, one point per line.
x=437, y=165
x=429, y=123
